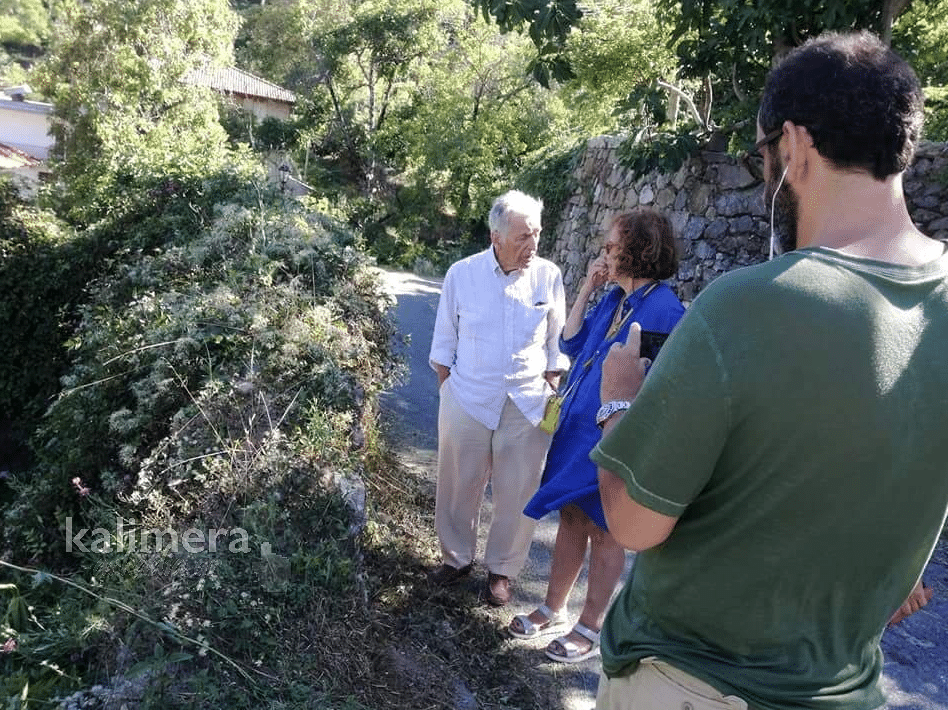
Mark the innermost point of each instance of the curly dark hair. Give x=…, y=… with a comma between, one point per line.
x=860, y=101
x=649, y=248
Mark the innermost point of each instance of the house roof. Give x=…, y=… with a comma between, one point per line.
x=11, y=157
x=11, y=104
x=230, y=80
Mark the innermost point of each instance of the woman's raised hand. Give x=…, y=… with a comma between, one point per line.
x=597, y=274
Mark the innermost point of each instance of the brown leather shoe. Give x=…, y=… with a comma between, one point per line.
x=498, y=589
x=445, y=575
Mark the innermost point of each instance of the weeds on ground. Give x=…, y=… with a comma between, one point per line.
x=433, y=648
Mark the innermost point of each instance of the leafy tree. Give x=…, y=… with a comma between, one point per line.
x=275, y=39
x=423, y=107
x=620, y=47
x=737, y=38
x=730, y=46
x=548, y=23
x=921, y=36
x=366, y=63
x=24, y=27
x=124, y=115
x=24, y=33
x=473, y=122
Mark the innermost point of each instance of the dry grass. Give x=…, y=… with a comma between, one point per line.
x=420, y=647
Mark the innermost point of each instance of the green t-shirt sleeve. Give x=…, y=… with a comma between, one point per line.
x=666, y=445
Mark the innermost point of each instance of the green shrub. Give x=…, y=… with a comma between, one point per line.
x=219, y=381
x=182, y=352
x=42, y=272
x=936, y=113
x=46, y=267
x=549, y=177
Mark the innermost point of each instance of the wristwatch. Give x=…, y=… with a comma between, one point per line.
x=610, y=408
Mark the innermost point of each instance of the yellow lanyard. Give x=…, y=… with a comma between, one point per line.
x=616, y=327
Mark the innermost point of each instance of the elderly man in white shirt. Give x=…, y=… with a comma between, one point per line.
x=496, y=351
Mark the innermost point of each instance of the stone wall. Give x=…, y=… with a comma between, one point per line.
x=715, y=202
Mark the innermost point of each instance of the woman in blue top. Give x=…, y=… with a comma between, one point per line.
x=638, y=252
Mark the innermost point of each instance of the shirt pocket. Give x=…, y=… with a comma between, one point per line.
x=532, y=320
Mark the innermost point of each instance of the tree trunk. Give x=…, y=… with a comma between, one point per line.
x=891, y=9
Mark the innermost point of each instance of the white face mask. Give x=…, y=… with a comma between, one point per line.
x=773, y=203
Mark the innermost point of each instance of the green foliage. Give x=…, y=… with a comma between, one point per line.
x=655, y=145
x=731, y=46
x=619, y=46
x=549, y=176
x=920, y=35
x=42, y=272
x=124, y=115
x=217, y=380
x=53, y=633
x=365, y=58
x=24, y=27
x=725, y=38
x=472, y=125
x=936, y=113
x=45, y=268
x=168, y=343
x=548, y=23
x=665, y=152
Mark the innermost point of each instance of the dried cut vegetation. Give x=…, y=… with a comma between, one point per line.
x=434, y=648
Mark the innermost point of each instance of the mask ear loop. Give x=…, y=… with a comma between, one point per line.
x=773, y=204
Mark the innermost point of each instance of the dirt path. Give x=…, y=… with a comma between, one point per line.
x=916, y=651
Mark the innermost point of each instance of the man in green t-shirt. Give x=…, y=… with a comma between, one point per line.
x=783, y=470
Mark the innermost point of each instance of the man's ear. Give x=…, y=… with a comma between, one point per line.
x=796, y=149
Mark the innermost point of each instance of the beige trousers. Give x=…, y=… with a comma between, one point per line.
x=656, y=685
x=469, y=455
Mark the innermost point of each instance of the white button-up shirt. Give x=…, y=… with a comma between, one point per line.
x=499, y=333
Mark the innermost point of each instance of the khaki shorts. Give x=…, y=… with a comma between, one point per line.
x=656, y=685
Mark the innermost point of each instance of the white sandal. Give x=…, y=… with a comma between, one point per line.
x=573, y=654
x=554, y=620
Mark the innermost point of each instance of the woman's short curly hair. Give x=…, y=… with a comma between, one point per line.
x=859, y=100
x=648, y=245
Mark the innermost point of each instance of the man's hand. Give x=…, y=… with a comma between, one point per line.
x=919, y=597
x=444, y=372
x=623, y=370
x=553, y=377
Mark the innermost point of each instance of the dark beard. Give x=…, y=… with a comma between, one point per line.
x=785, y=208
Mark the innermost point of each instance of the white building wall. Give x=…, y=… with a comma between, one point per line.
x=25, y=125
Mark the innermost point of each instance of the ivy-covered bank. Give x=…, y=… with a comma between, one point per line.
x=716, y=204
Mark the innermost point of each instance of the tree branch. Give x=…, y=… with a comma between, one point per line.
x=688, y=102
x=741, y=96
x=890, y=10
